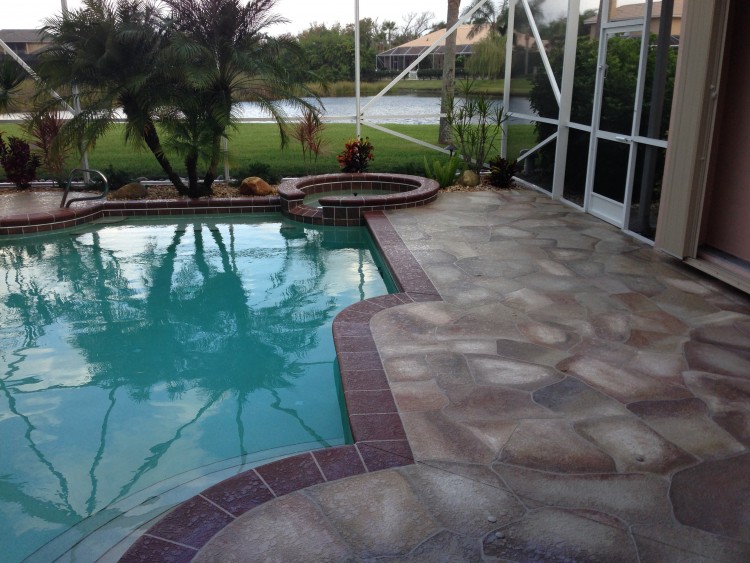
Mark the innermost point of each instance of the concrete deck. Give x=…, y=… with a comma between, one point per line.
x=574, y=396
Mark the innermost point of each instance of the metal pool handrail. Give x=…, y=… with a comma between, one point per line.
x=70, y=180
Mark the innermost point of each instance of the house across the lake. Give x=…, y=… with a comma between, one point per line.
x=398, y=58
x=637, y=11
x=26, y=43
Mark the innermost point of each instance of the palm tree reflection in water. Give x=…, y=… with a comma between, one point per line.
x=135, y=353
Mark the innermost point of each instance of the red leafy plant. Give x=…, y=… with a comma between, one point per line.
x=44, y=128
x=17, y=161
x=309, y=132
x=356, y=156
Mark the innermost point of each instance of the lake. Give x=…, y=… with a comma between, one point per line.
x=408, y=109
x=411, y=109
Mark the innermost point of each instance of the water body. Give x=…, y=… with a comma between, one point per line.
x=407, y=109
x=418, y=109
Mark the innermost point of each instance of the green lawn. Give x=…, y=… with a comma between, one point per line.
x=259, y=143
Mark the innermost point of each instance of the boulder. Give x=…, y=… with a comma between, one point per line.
x=255, y=186
x=133, y=190
x=468, y=178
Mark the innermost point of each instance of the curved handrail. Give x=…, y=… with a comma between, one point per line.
x=70, y=180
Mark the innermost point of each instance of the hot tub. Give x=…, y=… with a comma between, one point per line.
x=358, y=193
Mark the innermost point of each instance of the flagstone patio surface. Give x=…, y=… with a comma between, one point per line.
x=571, y=395
x=574, y=396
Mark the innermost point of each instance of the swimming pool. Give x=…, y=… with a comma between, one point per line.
x=137, y=356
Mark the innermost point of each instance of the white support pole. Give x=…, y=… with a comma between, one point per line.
x=542, y=52
x=225, y=150
x=596, y=111
x=84, y=153
x=77, y=110
x=509, y=32
x=357, y=90
x=566, y=99
x=538, y=146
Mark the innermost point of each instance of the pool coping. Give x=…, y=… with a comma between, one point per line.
x=64, y=218
x=337, y=211
x=380, y=441
x=348, y=211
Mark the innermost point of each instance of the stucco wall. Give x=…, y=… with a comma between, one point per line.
x=727, y=224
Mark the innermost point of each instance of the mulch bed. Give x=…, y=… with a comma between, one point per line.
x=221, y=191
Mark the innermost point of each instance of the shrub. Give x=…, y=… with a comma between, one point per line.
x=116, y=177
x=356, y=155
x=444, y=173
x=502, y=172
x=309, y=132
x=17, y=161
x=475, y=124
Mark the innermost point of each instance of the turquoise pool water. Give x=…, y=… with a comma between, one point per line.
x=313, y=200
x=138, y=355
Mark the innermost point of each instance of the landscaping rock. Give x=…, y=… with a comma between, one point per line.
x=468, y=178
x=134, y=190
x=255, y=186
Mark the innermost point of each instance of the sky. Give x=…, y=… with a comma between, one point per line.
x=28, y=14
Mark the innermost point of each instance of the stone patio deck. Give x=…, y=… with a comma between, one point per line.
x=575, y=396
x=572, y=396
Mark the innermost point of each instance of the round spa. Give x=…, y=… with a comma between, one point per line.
x=342, y=199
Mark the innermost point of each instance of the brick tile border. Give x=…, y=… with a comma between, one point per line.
x=349, y=210
x=406, y=191
x=54, y=219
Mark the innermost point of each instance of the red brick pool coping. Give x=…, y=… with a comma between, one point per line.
x=347, y=210
x=379, y=438
x=408, y=191
x=40, y=222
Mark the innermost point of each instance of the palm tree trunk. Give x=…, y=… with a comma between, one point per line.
x=449, y=72
x=191, y=164
x=213, y=166
x=151, y=137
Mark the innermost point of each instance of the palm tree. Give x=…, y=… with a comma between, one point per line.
x=224, y=57
x=497, y=17
x=187, y=70
x=111, y=52
x=485, y=14
x=449, y=73
x=389, y=28
x=494, y=15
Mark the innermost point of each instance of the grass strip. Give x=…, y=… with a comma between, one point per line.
x=254, y=149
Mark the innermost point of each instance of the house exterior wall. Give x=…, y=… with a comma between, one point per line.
x=693, y=109
x=727, y=208
x=697, y=143
x=636, y=11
